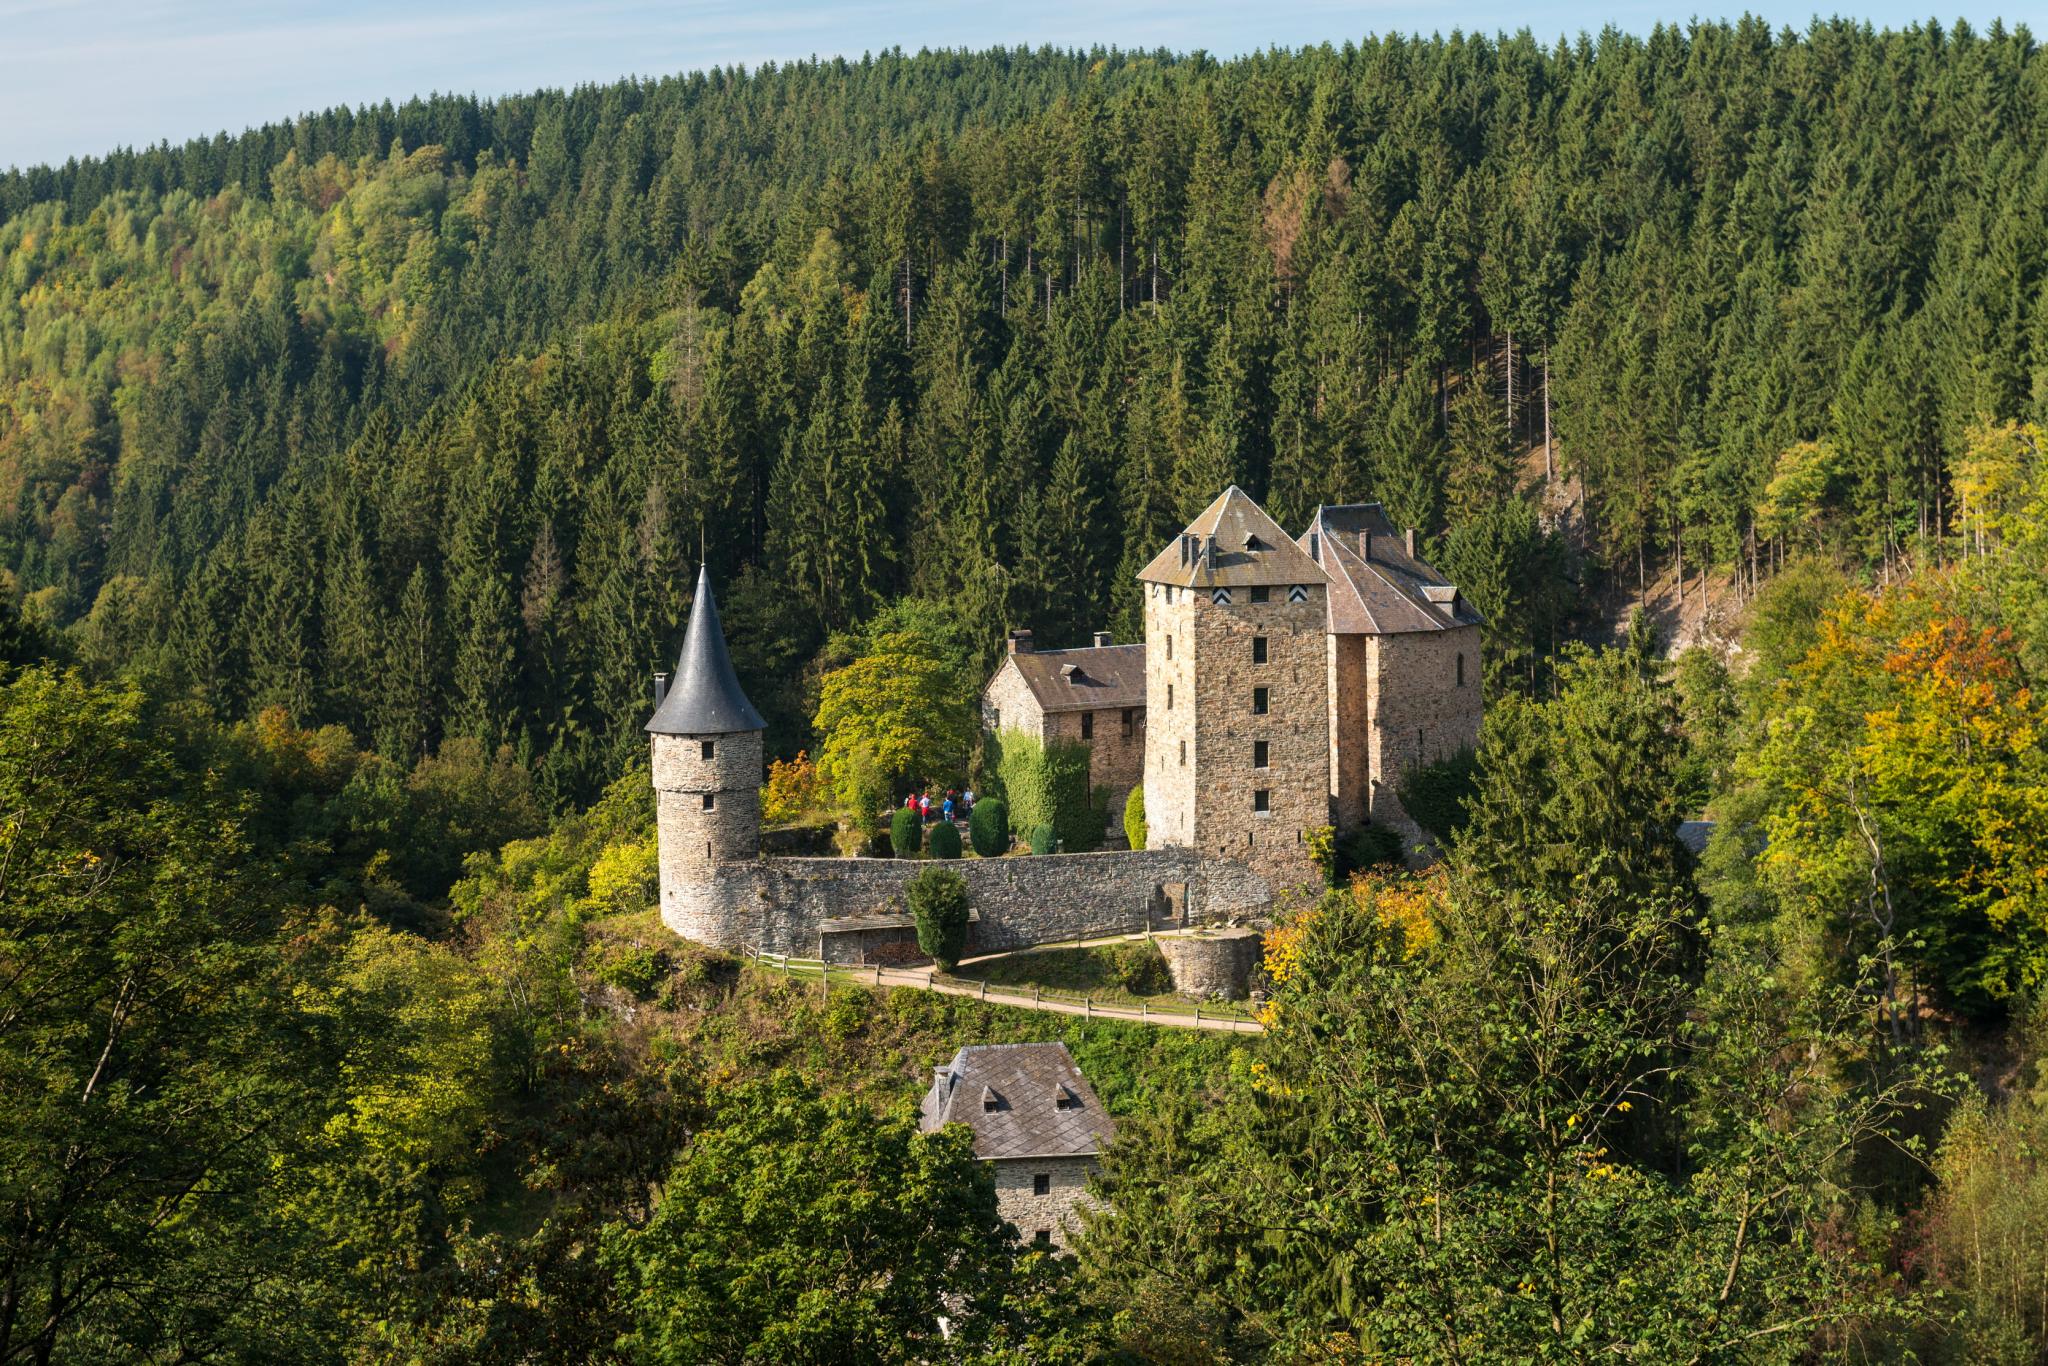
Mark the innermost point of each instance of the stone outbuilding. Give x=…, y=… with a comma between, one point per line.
x=1094, y=694
x=1036, y=1120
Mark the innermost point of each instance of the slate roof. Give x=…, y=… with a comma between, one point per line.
x=705, y=698
x=1391, y=593
x=1250, y=549
x=1023, y=1080
x=1086, y=679
x=1694, y=835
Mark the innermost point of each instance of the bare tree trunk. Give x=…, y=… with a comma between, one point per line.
x=1006, y=272
x=1678, y=540
x=1511, y=386
x=1547, y=468
x=1123, y=269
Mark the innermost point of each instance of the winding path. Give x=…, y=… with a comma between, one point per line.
x=926, y=979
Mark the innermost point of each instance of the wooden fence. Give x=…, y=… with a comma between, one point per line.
x=1189, y=1015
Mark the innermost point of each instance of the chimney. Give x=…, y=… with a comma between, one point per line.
x=1020, y=642
x=1365, y=544
x=1409, y=543
x=1315, y=547
x=1184, y=550
x=1102, y=640
x=660, y=689
x=1209, y=553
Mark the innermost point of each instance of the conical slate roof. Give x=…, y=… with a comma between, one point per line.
x=705, y=698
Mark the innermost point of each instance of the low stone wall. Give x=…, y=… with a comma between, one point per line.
x=780, y=905
x=1212, y=964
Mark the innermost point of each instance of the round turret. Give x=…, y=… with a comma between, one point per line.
x=706, y=740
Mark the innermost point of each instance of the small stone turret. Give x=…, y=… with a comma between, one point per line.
x=707, y=779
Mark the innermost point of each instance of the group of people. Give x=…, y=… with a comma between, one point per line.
x=954, y=805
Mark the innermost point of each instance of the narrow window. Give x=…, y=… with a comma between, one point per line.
x=1130, y=715
x=1261, y=594
x=1262, y=800
x=710, y=800
x=1261, y=699
x=1259, y=753
x=1183, y=752
x=1461, y=671
x=1169, y=645
x=1258, y=649
x=1041, y=1183
x=711, y=747
x=1169, y=697
x=1087, y=725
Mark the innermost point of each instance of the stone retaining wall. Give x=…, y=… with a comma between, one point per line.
x=779, y=905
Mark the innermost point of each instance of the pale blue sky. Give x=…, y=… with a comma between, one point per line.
x=80, y=78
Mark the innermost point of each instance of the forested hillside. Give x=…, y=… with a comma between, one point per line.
x=416, y=419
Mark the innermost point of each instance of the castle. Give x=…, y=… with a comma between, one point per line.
x=1287, y=684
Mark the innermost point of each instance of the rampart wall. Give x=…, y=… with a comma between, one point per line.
x=783, y=905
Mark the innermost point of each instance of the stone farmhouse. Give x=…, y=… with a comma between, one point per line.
x=1287, y=684
x=1035, y=1120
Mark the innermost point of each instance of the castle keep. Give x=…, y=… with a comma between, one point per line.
x=1285, y=683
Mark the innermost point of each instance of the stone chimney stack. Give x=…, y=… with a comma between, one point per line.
x=660, y=689
x=1365, y=544
x=1020, y=642
x=1101, y=640
x=1409, y=542
x=1209, y=553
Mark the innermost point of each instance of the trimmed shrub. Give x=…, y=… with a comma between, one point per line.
x=937, y=898
x=989, y=827
x=1044, y=839
x=1134, y=817
x=1435, y=795
x=944, y=841
x=906, y=833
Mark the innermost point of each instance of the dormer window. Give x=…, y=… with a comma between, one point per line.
x=1065, y=1099
x=1254, y=544
x=990, y=1101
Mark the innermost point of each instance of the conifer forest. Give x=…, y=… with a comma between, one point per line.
x=355, y=472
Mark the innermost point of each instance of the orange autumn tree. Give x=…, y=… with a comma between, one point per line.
x=1907, y=810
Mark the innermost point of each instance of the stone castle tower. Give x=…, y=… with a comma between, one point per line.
x=1237, y=741
x=706, y=740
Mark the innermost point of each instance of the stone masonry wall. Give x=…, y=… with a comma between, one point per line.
x=1295, y=730
x=1115, y=761
x=1009, y=701
x=696, y=839
x=1350, y=732
x=1217, y=964
x=1057, y=1212
x=779, y=905
x=1172, y=748
x=1419, y=712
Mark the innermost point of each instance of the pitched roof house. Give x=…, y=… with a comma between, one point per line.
x=1035, y=1119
